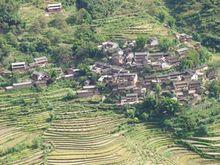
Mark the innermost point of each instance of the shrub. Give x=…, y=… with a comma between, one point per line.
x=70, y=95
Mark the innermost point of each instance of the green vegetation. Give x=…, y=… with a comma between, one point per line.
x=77, y=128
x=51, y=125
x=199, y=18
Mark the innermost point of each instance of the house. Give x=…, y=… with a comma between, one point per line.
x=156, y=66
x=71, y=73
x=4, y=72
x=158, y=57
x=22, y=85
x=109, y=47
x=87, y=91
x=90, y=88
x=153, y=41
x=106, y=79
x=140, y=91
x=126, y=79
x=163, y=78
x=8, y=88
x=54, y=7
x=84, y=93
x=140, y=58
x=129, y=59
x=177, y=76
x=106, y=69
x=129, y=99
x=41, y=61
x=197, y=45
x=117, y=58
x=185, y=38
x=182, y=85
x=211, y=74
x=182, y=52
x=40, y=76
x=100, y=68
x=173, y=60
x=18, y=66
x=194, y=85
x=40, y=84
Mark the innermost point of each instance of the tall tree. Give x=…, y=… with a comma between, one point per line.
x=9, y=15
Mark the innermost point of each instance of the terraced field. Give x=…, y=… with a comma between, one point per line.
x=208, y=146
x=85, y=141
x=129, y=27
x=41, y=128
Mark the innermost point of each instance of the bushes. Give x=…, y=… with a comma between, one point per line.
x=70, y=95
x=9, y=18
x=82, y=16
x=141, y=42
x=36, y=143
x=194, y=59
x=214, y=89
x=193, y=121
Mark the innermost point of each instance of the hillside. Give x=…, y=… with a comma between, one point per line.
x=41, y=128
x=200, y=18
x=106, y=82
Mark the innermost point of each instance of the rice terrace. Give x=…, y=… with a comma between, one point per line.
x=109, y=82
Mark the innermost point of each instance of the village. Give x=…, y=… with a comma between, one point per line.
x=129, y=75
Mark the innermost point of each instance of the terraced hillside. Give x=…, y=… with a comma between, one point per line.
x=42, y=128
x=85, y=141
x=208, y=145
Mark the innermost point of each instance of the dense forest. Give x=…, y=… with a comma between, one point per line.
x=200, y=18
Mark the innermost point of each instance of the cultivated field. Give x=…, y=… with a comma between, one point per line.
x=41, y=128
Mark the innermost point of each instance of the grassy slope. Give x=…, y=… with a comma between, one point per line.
x=126, y=21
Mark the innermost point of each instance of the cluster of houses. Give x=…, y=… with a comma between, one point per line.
x=39, y=79
x=185, y=86
x=126, y=57
x=122, y=73
x=23, y=67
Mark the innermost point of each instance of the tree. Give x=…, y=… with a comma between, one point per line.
x=70, y=95
x=204, y=55
x=82, y=4
x=62, y=54
x=38, y=25
x=192, y=60
x=82, y=16
x=185, y=64
x=168, y=107
x=149, y=104
x=131, y=113
x=59, y=22
x=9, y=15
x=214, y=89
x=4, y=48
x=141, y=42
x=158, y=90
x=162, y=15
x=166, y=44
